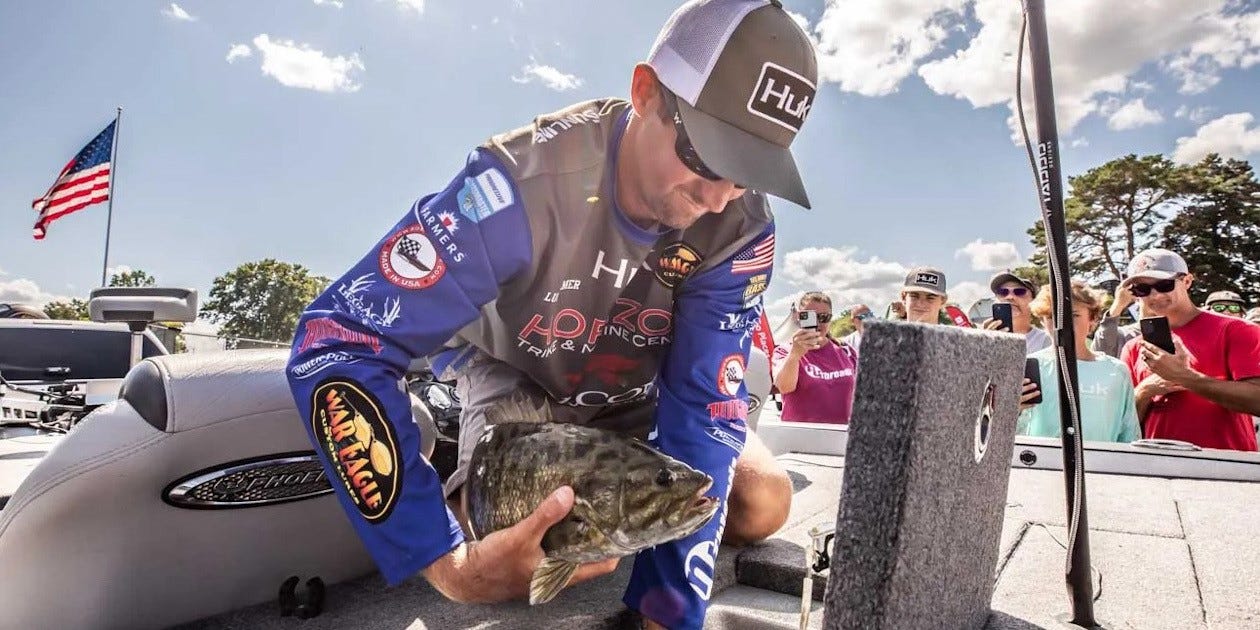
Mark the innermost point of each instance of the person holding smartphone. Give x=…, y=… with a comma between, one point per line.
x=1012, y=312
x=815, y=374
x=1206, y=390
x=1108, y=411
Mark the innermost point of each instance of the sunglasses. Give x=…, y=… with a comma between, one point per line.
x=1009, y=291
x=823, y=318
x=682, y=142
x=1226, y=308
x=1162, y=286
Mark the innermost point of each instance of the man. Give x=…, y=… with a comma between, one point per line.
x=1009, y=288
x=860, y=314
x=606, y=261
x=1226, y=303
x=1205, y=392
x=923, y=295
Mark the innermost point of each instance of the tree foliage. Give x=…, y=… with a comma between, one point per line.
x=1218, y=233
x=134, y=278
x=67, y=309
x=261, y=300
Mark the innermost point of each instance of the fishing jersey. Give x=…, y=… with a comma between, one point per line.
x=526, y=257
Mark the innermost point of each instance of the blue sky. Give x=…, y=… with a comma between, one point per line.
x=329, y=118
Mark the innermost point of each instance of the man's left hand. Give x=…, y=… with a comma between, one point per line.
x=1174, y=368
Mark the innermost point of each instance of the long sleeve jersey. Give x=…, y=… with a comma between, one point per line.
x=526, y=256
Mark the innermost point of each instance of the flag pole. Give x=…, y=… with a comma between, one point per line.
x=113, y=175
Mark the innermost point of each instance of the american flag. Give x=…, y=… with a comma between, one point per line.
x=83, y=182
x=752, y=259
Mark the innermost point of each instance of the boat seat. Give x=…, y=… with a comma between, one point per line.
x=193, y=494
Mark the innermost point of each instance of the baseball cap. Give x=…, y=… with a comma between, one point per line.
x=745, y=74
x=1224, y=296
x=1006, y=276
x=1155, y=264
x=928, y=279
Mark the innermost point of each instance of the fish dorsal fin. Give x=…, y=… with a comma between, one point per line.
x=518, y=407
x=550, y=578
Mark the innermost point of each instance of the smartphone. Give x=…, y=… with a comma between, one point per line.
x=1156, y=331
x=807, y=319
x=1002, y=313
x=1032, y=372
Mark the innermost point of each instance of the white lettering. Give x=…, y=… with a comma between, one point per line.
x=620, y=272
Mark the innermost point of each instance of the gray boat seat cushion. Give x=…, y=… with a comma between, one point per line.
x=88, y=541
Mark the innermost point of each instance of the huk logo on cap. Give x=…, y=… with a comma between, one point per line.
x=928, y=278
x=781, y=96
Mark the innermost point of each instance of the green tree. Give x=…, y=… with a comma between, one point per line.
x=261, y=300
x=72, y=309
x=134, y=278
x=1218, y=233
x=1114, y=211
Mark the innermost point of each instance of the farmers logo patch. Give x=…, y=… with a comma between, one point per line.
x=677, y=262
x=409, y=259
x=350, y=426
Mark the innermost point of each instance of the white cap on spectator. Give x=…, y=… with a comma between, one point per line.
x=1155, y=264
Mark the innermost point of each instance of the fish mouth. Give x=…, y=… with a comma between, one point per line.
x=701, y=500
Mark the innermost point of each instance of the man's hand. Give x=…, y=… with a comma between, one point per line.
x=1155, y=385
x=806, y=339
x=499, y=567
x=1174, y=368
x=1029, y=392
x=1120, y=301
x=995, y=324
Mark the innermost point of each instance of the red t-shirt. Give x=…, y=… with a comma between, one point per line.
x=1221, y=347
x=825, y=382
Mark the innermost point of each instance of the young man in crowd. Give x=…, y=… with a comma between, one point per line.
x=1226, y=303
x=860, y=314
x=923, y=295
x=1009, y=288
x=1207, y=390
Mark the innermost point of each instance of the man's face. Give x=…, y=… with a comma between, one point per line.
x=676, y=194
x=1018, y=296
x=1163, y=296
x=1229, y=309
x=922, y=306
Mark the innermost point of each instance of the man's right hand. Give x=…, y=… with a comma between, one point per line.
x=1120, y=301
x=500, y=566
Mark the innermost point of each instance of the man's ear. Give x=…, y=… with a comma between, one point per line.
x=645, y=93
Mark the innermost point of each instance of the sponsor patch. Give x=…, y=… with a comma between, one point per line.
x=781, y=96
x=756, y=286
x=352, y=299
x=350, y=426
x=676, y=262
x=928, y=278
x=484, y=195
x=319, y=363
x=726, y=438
x=728, y=410
x=408, y=259
x=730, y=375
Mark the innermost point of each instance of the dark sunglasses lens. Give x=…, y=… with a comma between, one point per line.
x=823, y=318
x=1140, y=290
x=1164, y=286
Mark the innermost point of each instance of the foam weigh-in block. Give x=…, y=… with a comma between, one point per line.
x=925, y=478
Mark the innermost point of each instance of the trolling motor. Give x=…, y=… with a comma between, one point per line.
x=140, y=306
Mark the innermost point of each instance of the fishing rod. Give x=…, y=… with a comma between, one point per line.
x=1046, y=167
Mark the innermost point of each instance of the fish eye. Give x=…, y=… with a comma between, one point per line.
x=665, y=477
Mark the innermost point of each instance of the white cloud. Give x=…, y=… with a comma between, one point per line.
x=549, y=76
x=24, y=291
x=1132, y=115
x=411, y=5
x=176, y=12
x=336, y=4
x=1232, y=135
x=111, y=271
x=1079, y=142
x=238, y=51
x=1194, y=114
x=300, y=66
x=989, y=256
x=871, y=46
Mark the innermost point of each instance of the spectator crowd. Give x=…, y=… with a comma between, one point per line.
x=1192, y=376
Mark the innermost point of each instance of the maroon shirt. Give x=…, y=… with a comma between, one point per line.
x=826, y=379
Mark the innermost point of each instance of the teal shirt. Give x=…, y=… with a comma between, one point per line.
x=1108, y=408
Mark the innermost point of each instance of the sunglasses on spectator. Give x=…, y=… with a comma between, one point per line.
x=1162, y=286
x=682, y=142
x=1009, y=291
x=823, y=318
x=1222, y=308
